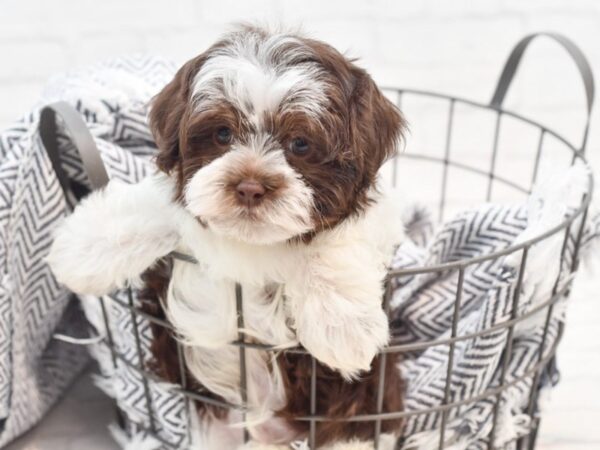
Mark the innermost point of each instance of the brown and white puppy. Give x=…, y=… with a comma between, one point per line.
x=269, y=150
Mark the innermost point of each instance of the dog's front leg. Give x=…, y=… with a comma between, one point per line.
x=114, y=235
x=337, y=310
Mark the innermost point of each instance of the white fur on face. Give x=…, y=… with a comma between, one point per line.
x=255, y=76
x=285, y=215
x=258, y=77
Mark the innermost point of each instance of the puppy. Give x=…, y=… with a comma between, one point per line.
x=269, y=150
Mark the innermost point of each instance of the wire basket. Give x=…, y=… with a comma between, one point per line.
x=493, y=184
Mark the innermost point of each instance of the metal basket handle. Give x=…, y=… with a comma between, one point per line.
x=512, y=63
x=92, y=165
x=82, y=139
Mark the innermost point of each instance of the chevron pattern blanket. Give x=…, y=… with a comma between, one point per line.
x=424, y=307
x=35, y=369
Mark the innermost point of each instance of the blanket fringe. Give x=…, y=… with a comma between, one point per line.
x=510, y=427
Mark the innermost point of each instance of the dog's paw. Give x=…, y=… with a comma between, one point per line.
x=345, y=338
x=111, y=238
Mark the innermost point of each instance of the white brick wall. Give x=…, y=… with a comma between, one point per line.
x=455, y=46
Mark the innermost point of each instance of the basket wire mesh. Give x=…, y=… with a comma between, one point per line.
x=447, y=161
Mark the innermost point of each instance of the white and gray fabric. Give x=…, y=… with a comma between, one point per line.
x=35, y=369
x=423, y=308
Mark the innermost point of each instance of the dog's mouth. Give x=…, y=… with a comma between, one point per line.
x=259, y=214
x=264, y=224
x=202, y=222
x=250, y=214
x=252, y=206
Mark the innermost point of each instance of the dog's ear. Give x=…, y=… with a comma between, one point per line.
x=377, y=125
x=168, y=112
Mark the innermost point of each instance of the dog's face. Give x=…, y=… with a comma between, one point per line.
x=273, y=136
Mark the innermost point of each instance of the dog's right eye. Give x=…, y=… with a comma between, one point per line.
x=299, y=146
x=224, y=135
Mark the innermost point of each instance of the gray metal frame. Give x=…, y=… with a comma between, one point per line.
x=578, y=152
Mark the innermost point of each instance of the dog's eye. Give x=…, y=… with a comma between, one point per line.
x=224, y=135
x=299, y=146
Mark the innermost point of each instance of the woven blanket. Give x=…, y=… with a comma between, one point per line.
x=35, y=368
x=112, y=98
x=424, y=307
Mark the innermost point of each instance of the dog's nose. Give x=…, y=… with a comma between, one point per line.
x=250, y=192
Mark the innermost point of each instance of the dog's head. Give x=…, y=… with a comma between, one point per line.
x=273, y=136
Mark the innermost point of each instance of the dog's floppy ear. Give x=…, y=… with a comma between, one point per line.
x=377, y=125
x=168, y=111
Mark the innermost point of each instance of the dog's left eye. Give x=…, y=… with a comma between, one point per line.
x=224, y=135
x=299, y=146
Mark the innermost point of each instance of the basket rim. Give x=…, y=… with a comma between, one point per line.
x=461, y=264
x=578, y=155
x=500, y=110
x=393, y=346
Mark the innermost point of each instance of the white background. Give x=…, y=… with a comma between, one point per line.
x=453, y=46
